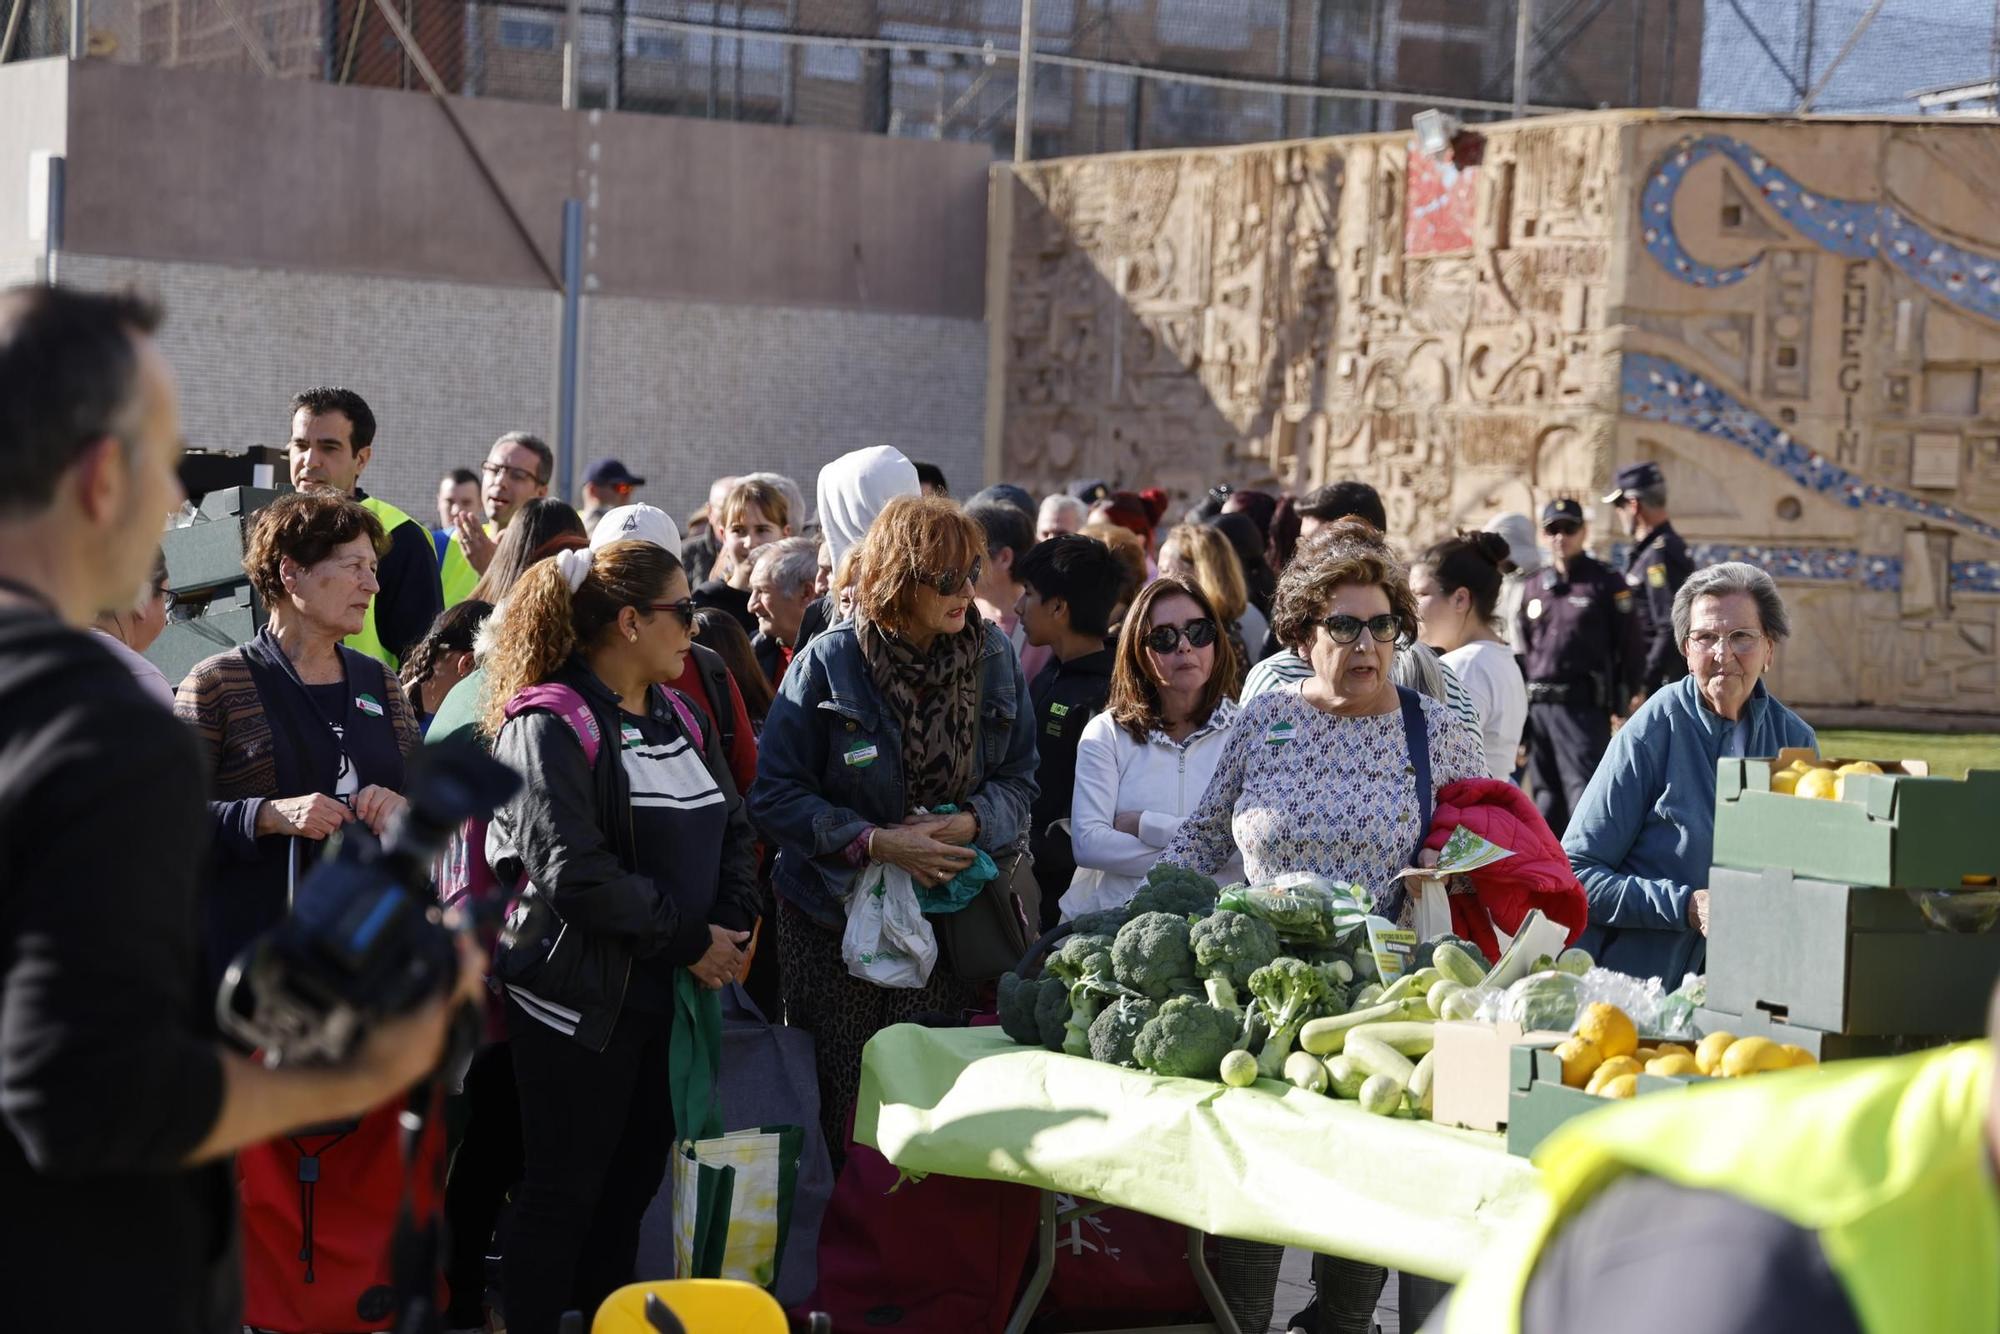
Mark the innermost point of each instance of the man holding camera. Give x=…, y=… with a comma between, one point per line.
x=118, y=1107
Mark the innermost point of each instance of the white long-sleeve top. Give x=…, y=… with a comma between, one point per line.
x=1161, y=779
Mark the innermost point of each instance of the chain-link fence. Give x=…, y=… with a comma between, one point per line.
x=1109, y=74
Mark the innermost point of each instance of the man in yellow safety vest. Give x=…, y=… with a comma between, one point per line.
x=1856, y=1197
x=516, y=471
x=333, y=437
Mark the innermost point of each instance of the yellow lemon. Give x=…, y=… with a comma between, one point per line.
x=1798, y=1058
x=1676, y=1064
x=1785, y=783
x=1645, y=1054
x=1669, y=1048
x=1580, y=1058
x=1751, y=1056
x=1610, y=1028
x=1708, y=1053
x=1860, y=767
x=1617, y=1067
x=1819, y=785
x=1624, y=1086
x=1801, y=766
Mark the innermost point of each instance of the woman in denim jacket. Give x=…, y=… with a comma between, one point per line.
x=913, y=704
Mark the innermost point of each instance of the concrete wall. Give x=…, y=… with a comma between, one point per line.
x=757, y=298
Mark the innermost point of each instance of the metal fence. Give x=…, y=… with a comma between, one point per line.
x=1106, y=74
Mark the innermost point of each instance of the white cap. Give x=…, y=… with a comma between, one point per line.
x=854, y=488
x=637, y=523
x=1519, y=530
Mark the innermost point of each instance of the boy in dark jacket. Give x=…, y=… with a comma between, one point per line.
x=1071, y=583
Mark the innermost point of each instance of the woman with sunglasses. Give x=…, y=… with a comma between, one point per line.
x=1143, y=763
x=638, y=879
x=1321, y=775
x=912, y=704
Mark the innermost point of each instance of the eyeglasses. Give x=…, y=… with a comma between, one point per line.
x=521, y=475
x=1347, y=629
x=1741, y=642
x=1561, y=528
x=1199, y=633
x=683, y=609
x=952, y=580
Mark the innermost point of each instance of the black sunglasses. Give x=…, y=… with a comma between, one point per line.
x=684, y=609
x=1199, y=633
x=951, y=581
x=1561, y=528
x=1347, y=629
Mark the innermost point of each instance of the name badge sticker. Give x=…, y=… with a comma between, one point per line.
x=629, y=736
x=860, y=757
x=1280, y=734
x=368, y=705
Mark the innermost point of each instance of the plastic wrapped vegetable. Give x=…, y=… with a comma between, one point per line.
x=1306, y=909
x=1546, y=1001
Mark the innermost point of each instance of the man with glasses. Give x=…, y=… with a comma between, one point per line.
x=332, y=441
x=1578, y=636
x=1655, y=568
x=516, y=471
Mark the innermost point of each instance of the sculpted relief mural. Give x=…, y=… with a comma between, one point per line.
x=1800, y=322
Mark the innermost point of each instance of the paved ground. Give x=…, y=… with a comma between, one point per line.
x=1295, y=1290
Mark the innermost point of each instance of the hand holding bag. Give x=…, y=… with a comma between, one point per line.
x=888, y=941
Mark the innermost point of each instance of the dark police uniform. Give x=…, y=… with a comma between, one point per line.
x=1578, y=634
x=1654, y=571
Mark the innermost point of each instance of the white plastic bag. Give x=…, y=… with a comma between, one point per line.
x=887, y=940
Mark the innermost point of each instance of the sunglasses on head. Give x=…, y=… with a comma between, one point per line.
x=952, y=580
x=1199, y=633
x=1347, y=629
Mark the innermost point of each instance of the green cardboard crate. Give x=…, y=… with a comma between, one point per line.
x=1538, y=1102
x=233, y=616
x=1824, y=1046
x=1839, y=958
x=208, y=554
x=1902, y=829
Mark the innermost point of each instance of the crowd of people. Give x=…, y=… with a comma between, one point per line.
x=723, y=725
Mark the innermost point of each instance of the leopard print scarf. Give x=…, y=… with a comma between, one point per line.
x=934, y=697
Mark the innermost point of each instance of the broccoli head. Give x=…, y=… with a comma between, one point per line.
x=1151, y=955
x=1289, y=991
x=1228, y=947
x=1052, y=1013
x=1188, y=1038
x=1176, y=890
x=1017, y=1009
x=1117, y=1027
x=1104, y=922
x=1083, y=965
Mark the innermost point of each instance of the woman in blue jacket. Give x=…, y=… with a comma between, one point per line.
x=1641, y=838
x=913, y=704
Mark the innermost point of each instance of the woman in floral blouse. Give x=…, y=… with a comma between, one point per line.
x=1318, y=777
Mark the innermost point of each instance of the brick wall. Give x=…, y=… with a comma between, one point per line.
x=681, y=391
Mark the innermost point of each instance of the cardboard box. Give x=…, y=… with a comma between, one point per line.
x=1840, y=958
x=1472, y=1072
x=233, y=617
x=208, y=554
x=1901, y=829
x=1823, y=1045
x=1539, y=1102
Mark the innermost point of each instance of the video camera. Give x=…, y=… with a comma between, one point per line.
x=365, y=940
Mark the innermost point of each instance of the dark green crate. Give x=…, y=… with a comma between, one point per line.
x=1840, y=958
x=1538, y=1102
x=1890, y=830
x=1824, y=1046
x=208, y=554
x=232, y=617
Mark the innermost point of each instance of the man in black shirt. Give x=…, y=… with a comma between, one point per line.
x=1070, y=583
x=333, y=437
x=118, y=1109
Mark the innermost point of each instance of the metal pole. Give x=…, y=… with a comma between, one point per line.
x=13, y=26
x=1279, y=102
x=572, y=53
x=572, y=300
x=76, y=29
x=1024, y=85
x=1846, y=50
x=52, y=232
x=1524, y=24
x=1316, y=40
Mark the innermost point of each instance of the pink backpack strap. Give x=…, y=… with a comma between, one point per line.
x=567, y=705
x=686, y=715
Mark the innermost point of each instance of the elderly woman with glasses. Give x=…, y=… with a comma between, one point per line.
x=1336, y=774
x=1642, y=834
x=913, y=704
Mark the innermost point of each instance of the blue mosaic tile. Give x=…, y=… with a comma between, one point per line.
x=1854, y=229
x=1976, y=576
x=1660, y=390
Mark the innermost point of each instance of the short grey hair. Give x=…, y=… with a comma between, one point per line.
x=794, y=562
x=1719, y=581
x=1652, y=497
x=1053, y=506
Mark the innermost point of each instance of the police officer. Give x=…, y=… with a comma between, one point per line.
x=1579, y=640
x=1655, y=569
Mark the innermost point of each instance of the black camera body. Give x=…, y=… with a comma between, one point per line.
x=365, y=940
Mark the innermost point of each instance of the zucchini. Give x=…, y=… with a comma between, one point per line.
x=1379, y=1058
x=1239, y=1069
x=1343, y=1077
x=1457, y=964
x=1412, y=1037
x=1438, y=995
x=1402, y=988
x=1420, y=1085
x=1381, y=1095
x=1367, y=996
x=1323, y=1037
x=1303, y=1071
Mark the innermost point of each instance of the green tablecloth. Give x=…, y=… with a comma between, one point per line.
x=1267, y=1163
